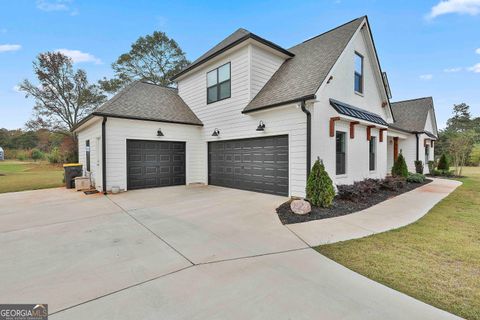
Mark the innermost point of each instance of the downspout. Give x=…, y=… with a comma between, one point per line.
x=418, y=141
x=309, y=136
x=104, y=157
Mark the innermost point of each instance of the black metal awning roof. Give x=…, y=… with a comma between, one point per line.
x=357, y=113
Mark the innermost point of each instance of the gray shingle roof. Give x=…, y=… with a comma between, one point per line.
x=146, y=101
x=232, y=40
x=302, y=75
x=358, y=113
x=411, y=115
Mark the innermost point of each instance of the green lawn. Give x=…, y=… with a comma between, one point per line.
x=22, y=175
x=436, y=259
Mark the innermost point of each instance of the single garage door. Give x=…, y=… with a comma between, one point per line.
x=155, y=163
x=258, y=164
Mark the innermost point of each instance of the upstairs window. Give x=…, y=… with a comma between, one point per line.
x=218, y=84
x=340, y=162
x=372, y=152
x=358, y=73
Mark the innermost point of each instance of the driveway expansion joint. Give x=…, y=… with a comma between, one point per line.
x=151, y=231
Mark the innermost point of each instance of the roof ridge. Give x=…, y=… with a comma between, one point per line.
x=157, y=85
x=119, y=94
x=328, y=31
x=400, y=101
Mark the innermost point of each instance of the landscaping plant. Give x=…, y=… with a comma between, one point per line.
x=443, y=164
x=416, y=178
x=399, y=168
x=431, y=166
x=418, y=166
x=320, y=191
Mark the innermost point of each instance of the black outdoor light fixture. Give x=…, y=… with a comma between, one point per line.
x=159, y=133
x=261, y=126
x=215, y=133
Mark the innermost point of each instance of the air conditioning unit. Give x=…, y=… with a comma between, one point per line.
x=82, y=183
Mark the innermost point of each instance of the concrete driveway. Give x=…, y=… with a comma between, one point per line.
x=176, y=253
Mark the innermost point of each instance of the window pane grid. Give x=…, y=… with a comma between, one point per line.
x=219, y=84
x=340, y=163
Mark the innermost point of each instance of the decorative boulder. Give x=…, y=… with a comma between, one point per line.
x=300, y=206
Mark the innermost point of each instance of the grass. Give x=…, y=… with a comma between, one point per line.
x=435, y=260
x=22, y=175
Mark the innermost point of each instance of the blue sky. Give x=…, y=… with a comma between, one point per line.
x=428, y=48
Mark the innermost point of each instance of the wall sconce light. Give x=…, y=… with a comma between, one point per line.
x=216, y=133
x=261, y=126
x=159, y=133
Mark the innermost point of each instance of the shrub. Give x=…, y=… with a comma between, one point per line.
x=399, y=168
x=37, y=154
x=320, y=191
x=392, y=183
x=443, y=164
x=359, y=190
x=431, y=166
x=443, y=173
x=416, y=178
x=23, y=155
x=54, y=156
x=418, y=166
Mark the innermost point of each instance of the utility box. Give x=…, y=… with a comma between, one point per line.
x=82, y=183
x=72, y=170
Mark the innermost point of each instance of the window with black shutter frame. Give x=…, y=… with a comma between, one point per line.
x=358, y=83
x=340, y=152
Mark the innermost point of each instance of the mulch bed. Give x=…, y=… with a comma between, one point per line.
x=341, y=207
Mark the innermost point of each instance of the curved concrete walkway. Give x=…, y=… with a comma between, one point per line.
x=391, y=214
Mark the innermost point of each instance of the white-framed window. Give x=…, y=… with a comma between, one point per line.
x=219, y=83
x=358, y=83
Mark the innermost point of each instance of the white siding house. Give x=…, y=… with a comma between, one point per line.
x=250, y=114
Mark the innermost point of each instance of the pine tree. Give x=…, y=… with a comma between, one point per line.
x=320, y=191
x=443, y=163
x=399, y=168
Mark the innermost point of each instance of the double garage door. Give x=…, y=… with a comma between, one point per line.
x=155, y=163
x=258, y=164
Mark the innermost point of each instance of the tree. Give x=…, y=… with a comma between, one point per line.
x=461, y=119
x=460, y=146
x=154, y=58
x=400, y=168
x=320, y=191
x=443, y=163
x=64, y=96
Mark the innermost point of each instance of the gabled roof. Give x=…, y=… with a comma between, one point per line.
x=358, y=113
x=232, y=40
x=299, y=78
x=411, y=115
x=145, y=101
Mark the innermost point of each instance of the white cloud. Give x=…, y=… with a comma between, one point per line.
x=475, y=68
x=53, y=5
x=471, y=7
x=57, y=5
x=426, y=76
x=450, y=70
x=9, y=47
x=78, y=56
x=477, y=51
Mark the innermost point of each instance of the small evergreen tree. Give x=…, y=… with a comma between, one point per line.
x=443, y=164
x=399, y=168
x=320, y=191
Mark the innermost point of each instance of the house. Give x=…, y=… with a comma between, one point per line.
x=2, y=154
x=416, y=132
x=252, y=115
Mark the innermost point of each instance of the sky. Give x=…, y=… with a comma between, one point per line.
x=428, y=47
